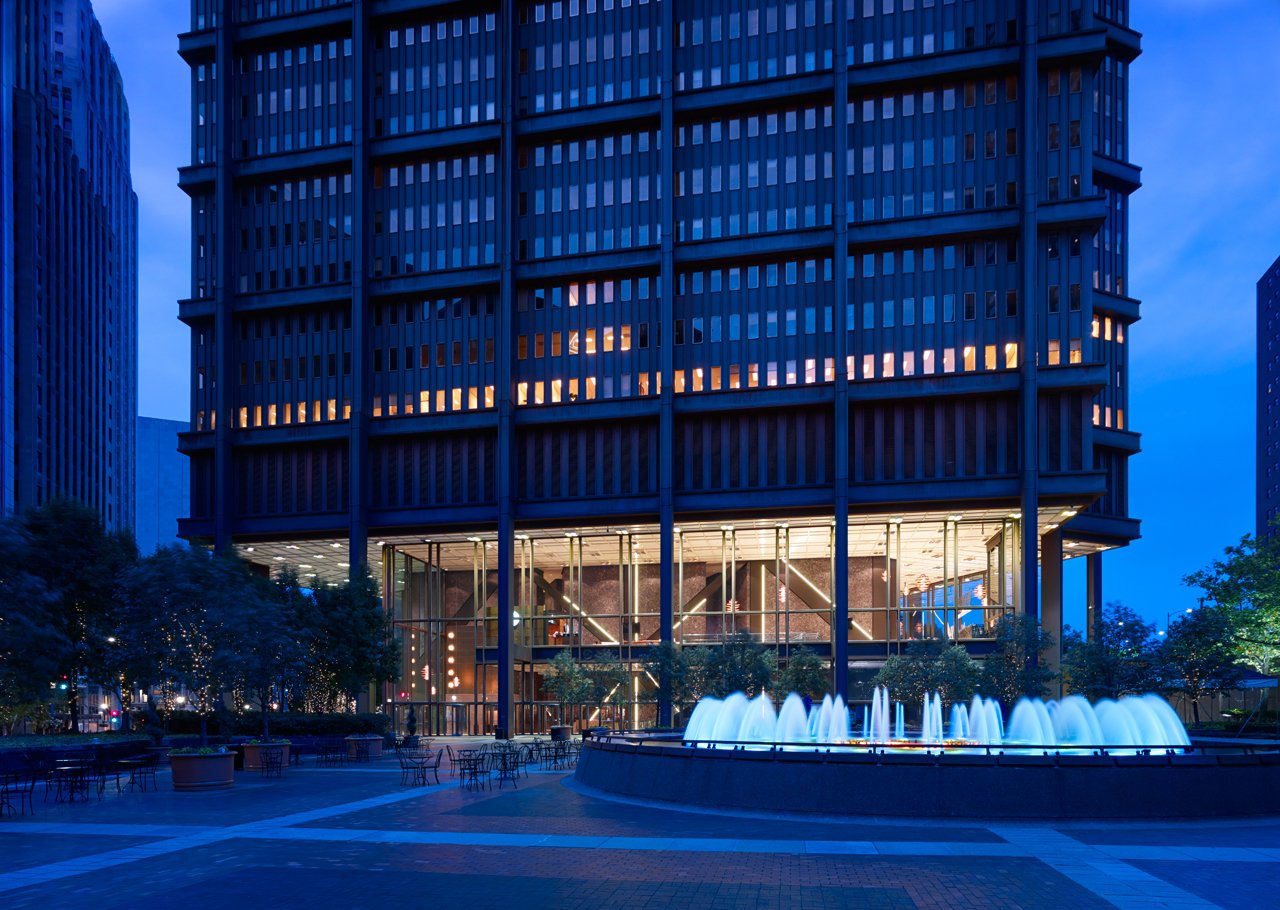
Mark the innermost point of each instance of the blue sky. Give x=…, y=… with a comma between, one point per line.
x=1205, y=120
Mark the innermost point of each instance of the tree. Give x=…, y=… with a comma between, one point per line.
x=565, y=681
x=32, y=647
x=608, y=681
x=278, y=648
x=742, y=664
x=1247, y=582
x=1014, y=669
x=78, y=562
x=352, y=647
x=203, y=610
x=666, y=664
x=1123, y=657
x=1199, y=651
x=806, y=674
x=927, y=667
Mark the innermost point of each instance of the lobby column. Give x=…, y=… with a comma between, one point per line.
x=1093, y=590
x=1051, y=597
x=224, y=295
x=666, y=415
x=840, y=425
x=506, y=421
x=361, y=368
x=1029, y=412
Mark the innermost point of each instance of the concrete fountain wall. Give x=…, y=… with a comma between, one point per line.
x=946, y=786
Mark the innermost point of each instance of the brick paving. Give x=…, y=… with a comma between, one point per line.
x=355, y=838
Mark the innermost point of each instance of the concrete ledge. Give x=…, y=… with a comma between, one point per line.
x=939, y=786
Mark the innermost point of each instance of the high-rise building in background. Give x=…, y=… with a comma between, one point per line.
x=164, y=484
x=599, y=323
x=1268, y=455
x=68, y=264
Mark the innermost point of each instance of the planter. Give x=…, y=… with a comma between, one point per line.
x=252, y=761
x=375, y=746
x=197, y=773
x=561, y=733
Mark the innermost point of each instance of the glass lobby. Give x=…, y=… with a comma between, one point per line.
x=918, y=576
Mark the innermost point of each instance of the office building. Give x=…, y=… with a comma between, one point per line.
x=164, y=484
x=598, y=323
x=68, y=264
x=1268, y=482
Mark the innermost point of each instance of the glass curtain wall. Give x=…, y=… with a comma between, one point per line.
x=772, y=580
x=944, y=578
x=594, y=591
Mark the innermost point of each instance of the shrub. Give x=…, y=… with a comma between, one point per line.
x=249, y=723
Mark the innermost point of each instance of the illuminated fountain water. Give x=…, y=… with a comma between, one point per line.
x=1073, y=723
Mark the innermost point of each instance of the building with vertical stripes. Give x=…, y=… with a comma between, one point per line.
x=593, y=324
x=68, y=264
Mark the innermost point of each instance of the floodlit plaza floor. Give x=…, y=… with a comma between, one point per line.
x=355, y=838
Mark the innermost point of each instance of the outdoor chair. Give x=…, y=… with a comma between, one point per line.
x=362, y=750
x=17, y=786
x=143, y=772
x=272, y=760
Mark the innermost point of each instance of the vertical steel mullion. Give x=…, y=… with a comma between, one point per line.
x=777, y=588
x=724, y=583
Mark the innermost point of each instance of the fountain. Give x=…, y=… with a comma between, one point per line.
x=1133, y=722
x=1128, y=758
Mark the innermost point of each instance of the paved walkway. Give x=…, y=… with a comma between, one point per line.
x=355, y=838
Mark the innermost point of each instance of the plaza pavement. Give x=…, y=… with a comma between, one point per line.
x=355, y=838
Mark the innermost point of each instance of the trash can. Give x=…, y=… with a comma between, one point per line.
x=561, y=733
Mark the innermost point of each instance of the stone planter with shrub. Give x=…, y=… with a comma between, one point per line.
x=198, y=770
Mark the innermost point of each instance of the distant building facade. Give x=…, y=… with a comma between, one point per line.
x=163, y=492
x=595, y=325
x=68, y=264
x=1268, y=455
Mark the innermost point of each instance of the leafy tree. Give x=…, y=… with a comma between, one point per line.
x=278, y=647
x=927, y=667
x=1009, y=672
x=608, y=681
x=1122, y=659
x=1247, y=582
x=32, y=647
x=352, y=646
x=78, y=562
x=204, y=610
x=1200, y=654
x=806, y=674
x=565, y=681
x=741, y=664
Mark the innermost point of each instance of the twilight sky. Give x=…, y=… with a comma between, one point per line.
x=1204, y=127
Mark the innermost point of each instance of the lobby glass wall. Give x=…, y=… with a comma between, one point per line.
x=771, y=579
x=595, y=591
x=945, y=577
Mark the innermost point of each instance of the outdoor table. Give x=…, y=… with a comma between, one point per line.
x=134, y=765
x=507, y=764
x=73, y=773
x=473, y=766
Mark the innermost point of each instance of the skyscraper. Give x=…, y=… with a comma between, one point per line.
x=599, y=323
x=68, y=250
x=164, y=484
x=1268, y=464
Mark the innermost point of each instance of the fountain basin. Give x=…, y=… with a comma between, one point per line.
x=950, y=785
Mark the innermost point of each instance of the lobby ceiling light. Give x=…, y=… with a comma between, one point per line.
x=336, y=546
x=474, y=539
x=522, y=537
x=1069, y=512
x=249, y=549
x=382, y=543
x=304, y=567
